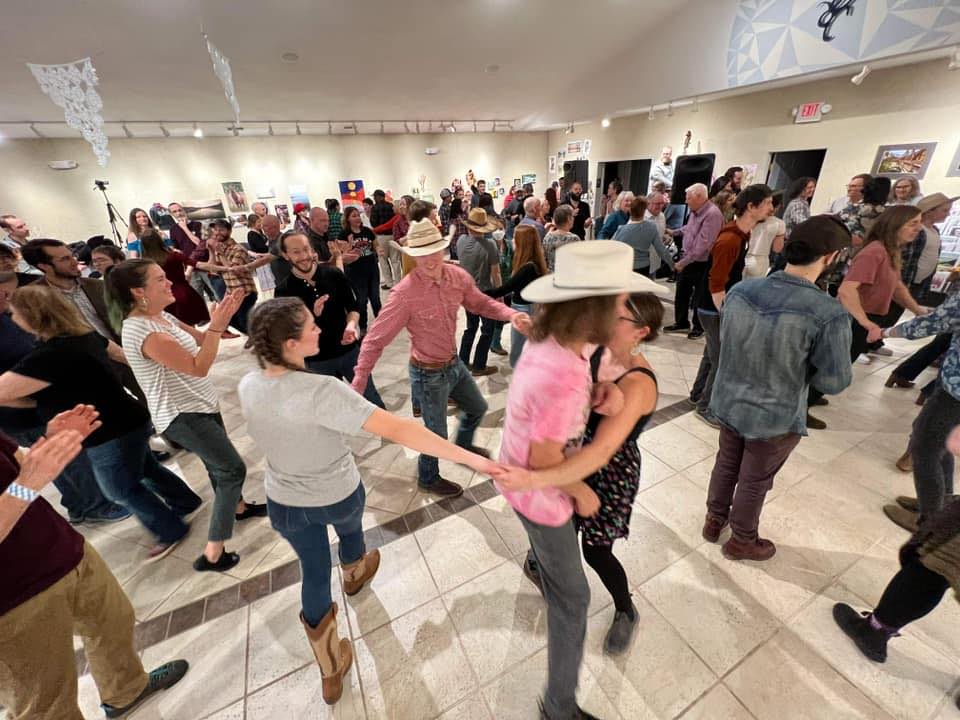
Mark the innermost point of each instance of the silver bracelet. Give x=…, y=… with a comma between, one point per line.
x=21, y=492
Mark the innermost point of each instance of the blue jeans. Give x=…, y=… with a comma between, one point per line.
x=129, y=475
x=342, y=367
x=486, y=326
x=305, y=528
x=432, y=388
x=567, y=594
x=79, y=492
x=204, y=435
x=517, y=339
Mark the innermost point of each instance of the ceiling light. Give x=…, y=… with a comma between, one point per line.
x=270, y=129
x=166, y=133
x=126, y=130
x=861, y=76
x=289, y=57
x=474, y=125
x=33, y=129
x=451, y=128
x=605, y=122
x=651, y=115
x=299, y=131
x=669, y=109
x=955, y=59
x=570, y=129
x=197, y=132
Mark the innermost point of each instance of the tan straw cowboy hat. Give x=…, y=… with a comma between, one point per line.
x=424, y=238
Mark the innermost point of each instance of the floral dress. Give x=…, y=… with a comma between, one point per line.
x=615, y=484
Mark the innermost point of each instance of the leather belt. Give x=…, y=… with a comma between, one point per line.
x=432, y=366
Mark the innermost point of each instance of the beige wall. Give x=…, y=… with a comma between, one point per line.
x=141, y=172
x=916, y=103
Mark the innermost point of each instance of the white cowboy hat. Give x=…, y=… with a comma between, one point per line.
x=589, y=269
x=424, y=238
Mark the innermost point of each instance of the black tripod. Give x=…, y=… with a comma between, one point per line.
x=112, y=213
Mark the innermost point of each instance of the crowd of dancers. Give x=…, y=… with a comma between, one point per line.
x=105, y=349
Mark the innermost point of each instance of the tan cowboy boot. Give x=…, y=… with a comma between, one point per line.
x=334, y=656
x=359, y=573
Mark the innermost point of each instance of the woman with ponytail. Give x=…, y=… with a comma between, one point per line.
x=300, y=420
x=171, y=361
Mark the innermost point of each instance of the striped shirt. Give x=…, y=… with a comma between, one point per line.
x=168, y=392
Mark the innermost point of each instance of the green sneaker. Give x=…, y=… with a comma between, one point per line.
x=161, y=678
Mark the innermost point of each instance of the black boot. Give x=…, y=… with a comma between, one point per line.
x=871, y=641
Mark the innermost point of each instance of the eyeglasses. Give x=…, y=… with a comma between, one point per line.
x=636, y=322
x=636, y=314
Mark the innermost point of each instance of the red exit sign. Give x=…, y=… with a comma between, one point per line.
x=809, y=112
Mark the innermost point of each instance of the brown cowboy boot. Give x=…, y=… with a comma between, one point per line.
x=334, y=655
x=359, y=573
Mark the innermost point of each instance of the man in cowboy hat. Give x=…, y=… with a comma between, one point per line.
x=426, y=303
x=479, y=256
x=935, y=208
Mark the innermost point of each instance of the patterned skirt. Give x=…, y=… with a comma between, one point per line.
x=616, y=485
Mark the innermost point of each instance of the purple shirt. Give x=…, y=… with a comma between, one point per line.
x=700, y=233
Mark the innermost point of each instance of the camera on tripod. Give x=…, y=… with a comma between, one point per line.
x=100, y=184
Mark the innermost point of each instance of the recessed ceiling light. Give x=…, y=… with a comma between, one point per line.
x=290, y=57
x=492, y=68
x=605, y=122
x=197, y=132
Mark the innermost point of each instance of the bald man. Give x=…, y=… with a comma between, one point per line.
x=531, y=215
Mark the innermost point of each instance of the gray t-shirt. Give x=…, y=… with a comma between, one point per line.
x=298, y=420
x=476, y=255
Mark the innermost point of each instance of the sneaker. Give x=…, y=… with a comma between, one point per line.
x=675, y=328
x=532, y=572
x=904, y=518
x=820, y=402
x=759, y=549
x=712, y=527
x=694, y=334
x=815, y=423
x=621, y=631
x=252, y=510
x=161, y=678
x=864, y=360
x=882, y=352
x=908, y=503
x=441, y=488
x=498, y=351
x=856, y=626
x=707, y=417
x=483, y=372
x=691, y=402
x=113, y=513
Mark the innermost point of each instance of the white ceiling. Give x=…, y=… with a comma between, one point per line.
x=358, y=60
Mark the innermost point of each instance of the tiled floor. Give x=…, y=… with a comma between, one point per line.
x=451, y=629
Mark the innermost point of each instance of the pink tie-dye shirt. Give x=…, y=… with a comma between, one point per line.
x=548, y=400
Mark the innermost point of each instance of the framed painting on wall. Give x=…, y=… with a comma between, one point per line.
x=954, y=169
x=910, y=159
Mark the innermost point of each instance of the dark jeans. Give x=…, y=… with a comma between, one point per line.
x=79, y=492
x=486, y=326
x=342, y=367
x=129, y=475
x=912, y=593
x=910, y=368
x=432, y=388
x=364, y=276
x=743, y=475
x=240, y=319
x=707, y=372
x=204, y=435
x=932, y=462
x=567, y=594
x=689, y=281
x=305, y=528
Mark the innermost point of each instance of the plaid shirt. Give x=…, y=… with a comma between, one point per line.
x=336, y=224
x=910, y=258
x=230, y=254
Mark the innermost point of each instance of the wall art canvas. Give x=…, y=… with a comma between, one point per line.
x=283, y=213
x=587, y=147
x=529, y=178
x=552, y=164
x=266, y=193
x=351, y=193
x=911, y=159
x=298, y=196
x=204, y=209
x=574, y=147
x=954, y=169
x=749, y=174
x=236, y=196
x=516, y=182
x=239, y=219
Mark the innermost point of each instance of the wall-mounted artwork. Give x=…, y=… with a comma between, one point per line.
x=911, y=159
x=954, y=169
x=351, y=193
x=516, y=182
x=236, y=196
x=204, y=209
x=265, y=193
x=283, y=213
x=529, y=178
x=552, y=164
x=749, y=174
x=298, y=196
x=239, y=219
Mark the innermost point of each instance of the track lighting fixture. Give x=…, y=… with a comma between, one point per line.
x=955, y=59
x=861, y=76
x=197, y=132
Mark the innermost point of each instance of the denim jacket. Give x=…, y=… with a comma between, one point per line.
x=778, y=335
x=944, y=319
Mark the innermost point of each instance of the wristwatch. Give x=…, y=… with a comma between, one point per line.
x=21, y=492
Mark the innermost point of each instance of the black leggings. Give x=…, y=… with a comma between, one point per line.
x=611, y=572
x=912, y=593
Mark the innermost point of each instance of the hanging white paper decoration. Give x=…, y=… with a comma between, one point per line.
x=72, y=86
x=221, y=66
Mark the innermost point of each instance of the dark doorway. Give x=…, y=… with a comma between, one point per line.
x=785, y=167
x=634, y=175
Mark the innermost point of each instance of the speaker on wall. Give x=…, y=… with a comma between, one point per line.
x=691, y=169
x=576, y=171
